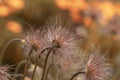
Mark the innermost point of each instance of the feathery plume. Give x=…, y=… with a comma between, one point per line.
x=98, y=67
x=32, y=40
x=4, y=75
x=64, y=43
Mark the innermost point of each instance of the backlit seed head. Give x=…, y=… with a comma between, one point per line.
x=98, y=67
x=56, y=44
x=59, y=37
x=4, y=75
x=64, y=42
x=32, y=40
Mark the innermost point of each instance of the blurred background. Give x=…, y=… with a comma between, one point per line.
x=95, y=21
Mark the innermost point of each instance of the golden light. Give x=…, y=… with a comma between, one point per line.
x=87, y=21
x=14, y=27
x=76, y=17
x=107, y=9
x=115, y=37
x=4, y=10
x=118, y=8
x=15, y=4
x=71, y=4
x=61, y=4
x=27, y=78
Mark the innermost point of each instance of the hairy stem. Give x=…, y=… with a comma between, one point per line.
x=45, y=64
x=27, y=61
x=38, y=61
x=33, y=74
x=18, y=67
x=45, y=50
x=76, y=74
x=47, y=71
x=5, y=47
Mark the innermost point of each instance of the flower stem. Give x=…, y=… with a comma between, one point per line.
x=76, y=74
x=38, y=61
x=45, y=64
x=27, y=61
x=33, y=74
x=18, y=67
x=5, y=47
x=47, y=71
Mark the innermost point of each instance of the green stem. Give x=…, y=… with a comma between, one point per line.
x=45, y=64
x=5, y=47
x=27, y=61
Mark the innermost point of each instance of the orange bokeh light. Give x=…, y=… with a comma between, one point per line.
x=15, y=4
x=4, y=11
x=71, y=4
x=107, y=9
x=14, y=27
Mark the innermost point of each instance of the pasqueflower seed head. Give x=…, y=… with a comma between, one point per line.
x=32, y=40
x=98, y=67
x=64, y=42
x=4, y=75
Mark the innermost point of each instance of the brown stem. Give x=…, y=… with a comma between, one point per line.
x=44, y=50
x=27, y=61
x=45, y=64
x=76, y=75
x=38, y=61
x=47, y=71
x=17, y=68
x=34, y=69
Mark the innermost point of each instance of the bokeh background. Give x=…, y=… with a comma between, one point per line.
x=96, y=22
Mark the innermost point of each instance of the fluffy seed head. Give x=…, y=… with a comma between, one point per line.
x=59, y=37
x=64, y=42
x=32, y=40
x=98, y=67
x=4, y=75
